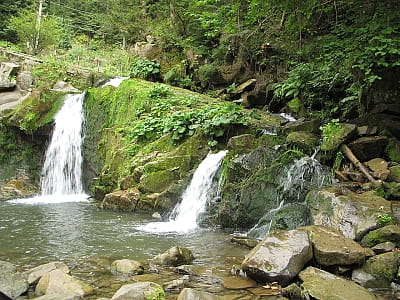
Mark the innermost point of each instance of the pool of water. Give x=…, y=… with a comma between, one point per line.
x=81, y=235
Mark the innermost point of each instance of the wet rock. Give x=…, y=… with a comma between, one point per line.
x=332, y=248
x=122, y=200
x=352, y=214
x=12, y=283
x=367, y=148
x=127, y=267
x=279, y=257
x=379, y=168
x=378, y=271
x=238, y=283
x=394, y=174
x=389, y=233
x=65, y=87
x=290, y=216
x=384, y=247
x=156, y=215
x=322, y=285
x=191, y=294
x=342, y=134
x=57, y=282
x=190, y=269
x=174, y=257
x=309, y=126
x=242, y=142
x=140, y=291
x=392, y=190
x=293, y=292
x=244, y=241
x=177, y=284
x=303, y=139
x=36, y=273
x=158, y=181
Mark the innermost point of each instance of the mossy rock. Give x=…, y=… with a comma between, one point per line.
x=392, y=150
x=242, y=143
x=297, y=106
x=291, y=216
x=394, y=174
x=309, y=126
x=306, y=141
x=390, y=233
x=181, y=163
x=341, y=133
x=159, y=181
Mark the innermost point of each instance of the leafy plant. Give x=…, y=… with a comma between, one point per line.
x=330, y=132
x=384, y=220
x=144, y=68
x=159, y=91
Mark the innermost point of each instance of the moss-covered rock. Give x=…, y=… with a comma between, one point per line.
x=392, y=150
x=291, y=216
x=394, y=174
x=336, y=134
x=125, y=200
x=175, y=256
x=306, y=141
x=242, y=143
x=389, y=233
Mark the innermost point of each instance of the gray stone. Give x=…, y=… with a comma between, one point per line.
x=127, y=267
x=57, y=282
x=65, y=87
x=279, y=257
x=309, y=126
x=36, y=273
x=332, y=248
x=176, y=285
x=378, y=271
x=379, y=168
x=24, y=80
x=175, y=256
x=384, y=247
x=8, y=71
x=12, y=283
x=191, y=294
x=140, y=291
x=321, y=285
x=352, y=214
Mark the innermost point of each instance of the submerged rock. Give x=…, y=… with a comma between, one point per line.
x=12, y=283
x=279, y=257
x=352, y=214
x=332, y=248
x=378, y=271
x=389, y=233
x=322, y=285
x=57, y=282
x=36, y=273
x=191, y=294
x=140, y=291
x=174, y=257
x=127, y=267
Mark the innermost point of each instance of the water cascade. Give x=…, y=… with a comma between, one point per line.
x=62, y=169
x=296, y=181
x=202, y=188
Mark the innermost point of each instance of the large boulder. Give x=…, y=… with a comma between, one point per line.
x=242, y=142
x=174, y=257
x=57, y=282
x=127, y=267
x=12, y=283
x=321, y=285
x=332, y=248
x=378, y=271
x=8, y=72
x=25, y=80
x=140, y=291
x=369, y=147
x=352, y=214
x=279, y=257
x=36, y=273
x=125, y=200
x=390, y=233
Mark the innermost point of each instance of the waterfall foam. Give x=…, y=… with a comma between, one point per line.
x=185, y=216
x=115, y=82
x=62, y=169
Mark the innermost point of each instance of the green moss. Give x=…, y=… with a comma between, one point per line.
x=393, y=150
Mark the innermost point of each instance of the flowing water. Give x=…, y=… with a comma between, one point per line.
x=202, y=188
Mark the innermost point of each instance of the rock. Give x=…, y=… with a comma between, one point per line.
x=384, y=247
x=65, y=87
x=36, y=273
x=290, y=216
x=238, y=283
x=394, y=174
x=245, y=241
x=367, y=148
x=127, y=182
x=158, y=181
x=278, y=257
x=122, y=200
x=127, y=267
x=378, y=271
x=190, y=269
x=367, y=130
x=308, y=126
x=303, y=139
x=192, y=294
x=242, y=142
x=140, y=291
x=392, y=150
x=321, y=285
x=12, y=283
x=8, y=71
x=177, y=284
x=352, y=214
x=243, y=87
x=389, y=233
x=56, y=282
x=342, y=134
x=392, y=190
x=174, y=257
x=156, y=215
x=379, y=168
x=145, y=50
x=332, y=248
x=8, y=97
x=25, y=80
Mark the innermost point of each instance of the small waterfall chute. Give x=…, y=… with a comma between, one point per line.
x=202, y=188
x=115, y=82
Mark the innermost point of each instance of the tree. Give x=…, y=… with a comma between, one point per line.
x=8, y=9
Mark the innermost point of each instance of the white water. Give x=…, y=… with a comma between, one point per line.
x=115, y=82
x=185, y=215
x=62, y=169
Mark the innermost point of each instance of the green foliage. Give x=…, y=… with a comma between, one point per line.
x=47, y=74
x=144, y=68
x=159, y=91
x=384, y=220
x=330, y=132
x=207, y=74
x=28, y=123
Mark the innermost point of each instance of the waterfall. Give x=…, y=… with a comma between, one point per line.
x=296, y=181
x=202, y=188
x=115, y=82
